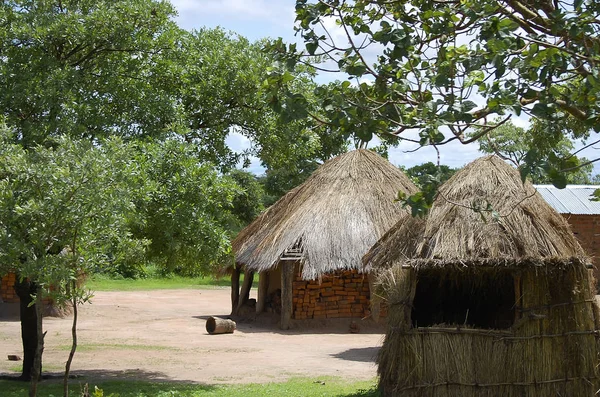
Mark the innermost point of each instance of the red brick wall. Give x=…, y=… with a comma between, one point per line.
x=587, y=230
x=340, y=295
x=7, y=290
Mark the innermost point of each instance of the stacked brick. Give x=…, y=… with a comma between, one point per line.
x=7, y=290
x=339, y=295
x=587, y=230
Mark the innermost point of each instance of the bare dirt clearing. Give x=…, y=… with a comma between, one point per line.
x=161, y=335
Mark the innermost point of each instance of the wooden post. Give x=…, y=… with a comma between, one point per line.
x=246, y=286
x=287, y=284
x=263, y=290
x=235, y=288
x=375, y=299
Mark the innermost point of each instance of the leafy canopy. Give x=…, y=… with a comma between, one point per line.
x=448, y=70
x=62, y=208
x=537, y=154
x=87, y=68
x=183, y=207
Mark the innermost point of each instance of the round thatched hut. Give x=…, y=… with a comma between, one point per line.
x=493, y=298
x=307, y=247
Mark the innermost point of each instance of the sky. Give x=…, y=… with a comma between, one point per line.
x=257, y=19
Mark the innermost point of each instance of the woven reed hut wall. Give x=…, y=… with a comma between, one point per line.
x=320, y=230
x=489, y=303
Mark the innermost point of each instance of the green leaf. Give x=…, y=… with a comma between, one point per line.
x=467, y=106
x=311, y=47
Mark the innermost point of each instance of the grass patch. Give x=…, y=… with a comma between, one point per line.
x=305, y=387
x=104, y=283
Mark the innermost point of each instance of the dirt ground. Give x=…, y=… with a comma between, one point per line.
x=161, y=335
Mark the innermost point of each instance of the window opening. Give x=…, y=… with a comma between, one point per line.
x=482, y=299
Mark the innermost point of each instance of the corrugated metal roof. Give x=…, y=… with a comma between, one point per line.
x=574, y=199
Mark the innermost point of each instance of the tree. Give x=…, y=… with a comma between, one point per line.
x=61, y=209
x=447, y=68
x=223, y=90
x=278, y=181
x=428, y=173
x=248, y=200
x=537, y=154
x=428, y=177
x=89, y=70
x=84, y=68
x=183, y=210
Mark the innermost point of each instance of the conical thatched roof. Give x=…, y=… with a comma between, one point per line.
x=513, y=224
x=333, y=217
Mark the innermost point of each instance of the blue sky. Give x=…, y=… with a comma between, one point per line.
x=257, y=19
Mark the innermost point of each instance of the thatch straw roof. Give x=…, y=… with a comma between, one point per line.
x=333, y=217
x=514, y=225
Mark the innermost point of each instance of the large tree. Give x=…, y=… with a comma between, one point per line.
x=183, y=208
x=62, y=209
x=87, y=68
x=84, y=70
x=448, y=69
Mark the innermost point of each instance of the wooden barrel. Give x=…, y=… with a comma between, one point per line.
x=216, y=325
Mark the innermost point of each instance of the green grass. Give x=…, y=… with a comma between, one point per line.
x=297, y=387
x=103, y=283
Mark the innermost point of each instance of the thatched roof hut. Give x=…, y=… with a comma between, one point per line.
x=326, y=224
x=492, y=298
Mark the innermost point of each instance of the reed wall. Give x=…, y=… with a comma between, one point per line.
x=551, y=349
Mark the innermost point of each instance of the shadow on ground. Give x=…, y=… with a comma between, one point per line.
x=9, y=311
x=104, y=375
x=133, y=383
x=363, y=354
x=267, y=322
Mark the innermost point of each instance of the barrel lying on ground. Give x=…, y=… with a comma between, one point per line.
x=216, y=325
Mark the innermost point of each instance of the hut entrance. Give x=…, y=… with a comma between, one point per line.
x=484, y=300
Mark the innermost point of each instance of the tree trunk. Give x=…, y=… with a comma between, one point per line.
x=29, y=325
x=37, y=361
x=246, y=286
x=263, y=290
x=235, y=288
x=74, y=337
x=287, y=284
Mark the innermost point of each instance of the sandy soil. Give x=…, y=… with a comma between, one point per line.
x=161, y=335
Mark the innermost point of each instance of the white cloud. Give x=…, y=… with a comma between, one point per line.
x=239, y=143
x=228, y=13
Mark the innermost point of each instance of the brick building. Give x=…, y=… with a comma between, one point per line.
x=583, y=215
x=7, y=290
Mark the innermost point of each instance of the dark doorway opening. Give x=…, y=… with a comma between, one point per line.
x=482, y=299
